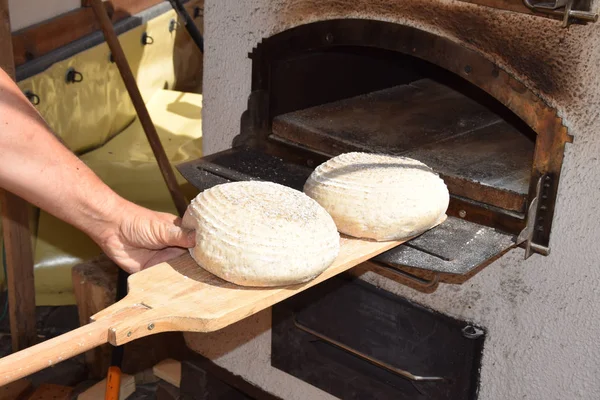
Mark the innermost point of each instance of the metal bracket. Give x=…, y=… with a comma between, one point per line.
x=526, y=235
x=561, y=8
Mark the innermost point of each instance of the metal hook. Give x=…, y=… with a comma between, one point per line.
x=423, y=283
x=147, y=39
x=32, y=97
x=173, y=25
x=73, y=76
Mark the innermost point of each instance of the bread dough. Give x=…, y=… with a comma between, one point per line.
x=379, y=197
x=261, y=234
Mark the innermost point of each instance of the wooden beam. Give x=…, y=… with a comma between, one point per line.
x=47, y=36
x=94, y=286
x=15, y=226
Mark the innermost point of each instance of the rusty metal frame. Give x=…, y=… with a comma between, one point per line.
x=469, y=64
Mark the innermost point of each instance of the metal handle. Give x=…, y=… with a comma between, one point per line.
x=366, y=357
x=147, y=39
x=73, y=76
x=32, y=97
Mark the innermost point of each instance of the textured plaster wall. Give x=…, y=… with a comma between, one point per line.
x=24, y=13
x=542, y=314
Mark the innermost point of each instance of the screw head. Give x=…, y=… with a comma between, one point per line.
x=150, y=327
x=462, y=213
x=129, y=334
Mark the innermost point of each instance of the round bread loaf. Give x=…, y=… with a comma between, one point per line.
x=379, y=197
x=261, y=234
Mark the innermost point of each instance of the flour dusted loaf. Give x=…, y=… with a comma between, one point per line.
x=379, y=197
x=261, y=234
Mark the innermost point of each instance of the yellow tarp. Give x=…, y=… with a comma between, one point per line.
x=127, y=164
x=96, y=120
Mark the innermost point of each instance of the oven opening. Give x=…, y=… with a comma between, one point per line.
x=352, y=98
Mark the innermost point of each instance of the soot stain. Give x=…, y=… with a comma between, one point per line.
x=536, y=48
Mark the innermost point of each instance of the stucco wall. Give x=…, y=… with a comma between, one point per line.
x=542, y=313
x=24, y=13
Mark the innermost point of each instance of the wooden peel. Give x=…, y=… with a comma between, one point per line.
x=174, y=296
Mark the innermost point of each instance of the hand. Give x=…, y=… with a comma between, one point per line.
x=139, y=238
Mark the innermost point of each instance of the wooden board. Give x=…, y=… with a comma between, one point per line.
x=478, y=153
x=98, y=390
x=179, y=295
x=175, y=296
x=168, y=370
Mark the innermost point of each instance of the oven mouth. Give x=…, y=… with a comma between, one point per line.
x=406, y=107
x=337, y=86
x=341, y=85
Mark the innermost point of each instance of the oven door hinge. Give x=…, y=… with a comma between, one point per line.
x=563, y=9
x=526, y=235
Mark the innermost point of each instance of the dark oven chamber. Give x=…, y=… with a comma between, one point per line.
x=335, y=86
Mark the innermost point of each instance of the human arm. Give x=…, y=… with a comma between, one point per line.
x=37, y=167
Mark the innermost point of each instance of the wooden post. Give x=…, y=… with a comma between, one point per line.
x=15, y=225
x=94, y=286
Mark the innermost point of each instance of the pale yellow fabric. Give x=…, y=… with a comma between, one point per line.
x=88, y=113
x=127, y=164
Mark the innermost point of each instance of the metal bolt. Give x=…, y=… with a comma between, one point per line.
x=150, y=327
x=468, y=69
x=471, y=332
x=462, y=213
x=329, y=38
x=129, y=334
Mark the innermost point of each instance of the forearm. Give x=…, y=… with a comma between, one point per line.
x=36, y=166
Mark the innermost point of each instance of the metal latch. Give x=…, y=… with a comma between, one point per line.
x=561, y=8
x=526, y=235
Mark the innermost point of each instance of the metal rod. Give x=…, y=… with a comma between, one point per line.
x=381, y=364
x=140, y=106
x=189, y=24
x=423, y=283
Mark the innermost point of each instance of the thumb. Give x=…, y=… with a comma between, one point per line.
x=176, y=236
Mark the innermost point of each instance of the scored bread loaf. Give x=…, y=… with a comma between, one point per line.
x=379, y=197
x=261, y=234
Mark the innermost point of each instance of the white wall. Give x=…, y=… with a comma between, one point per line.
x=542, y=314
x=24, y=13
